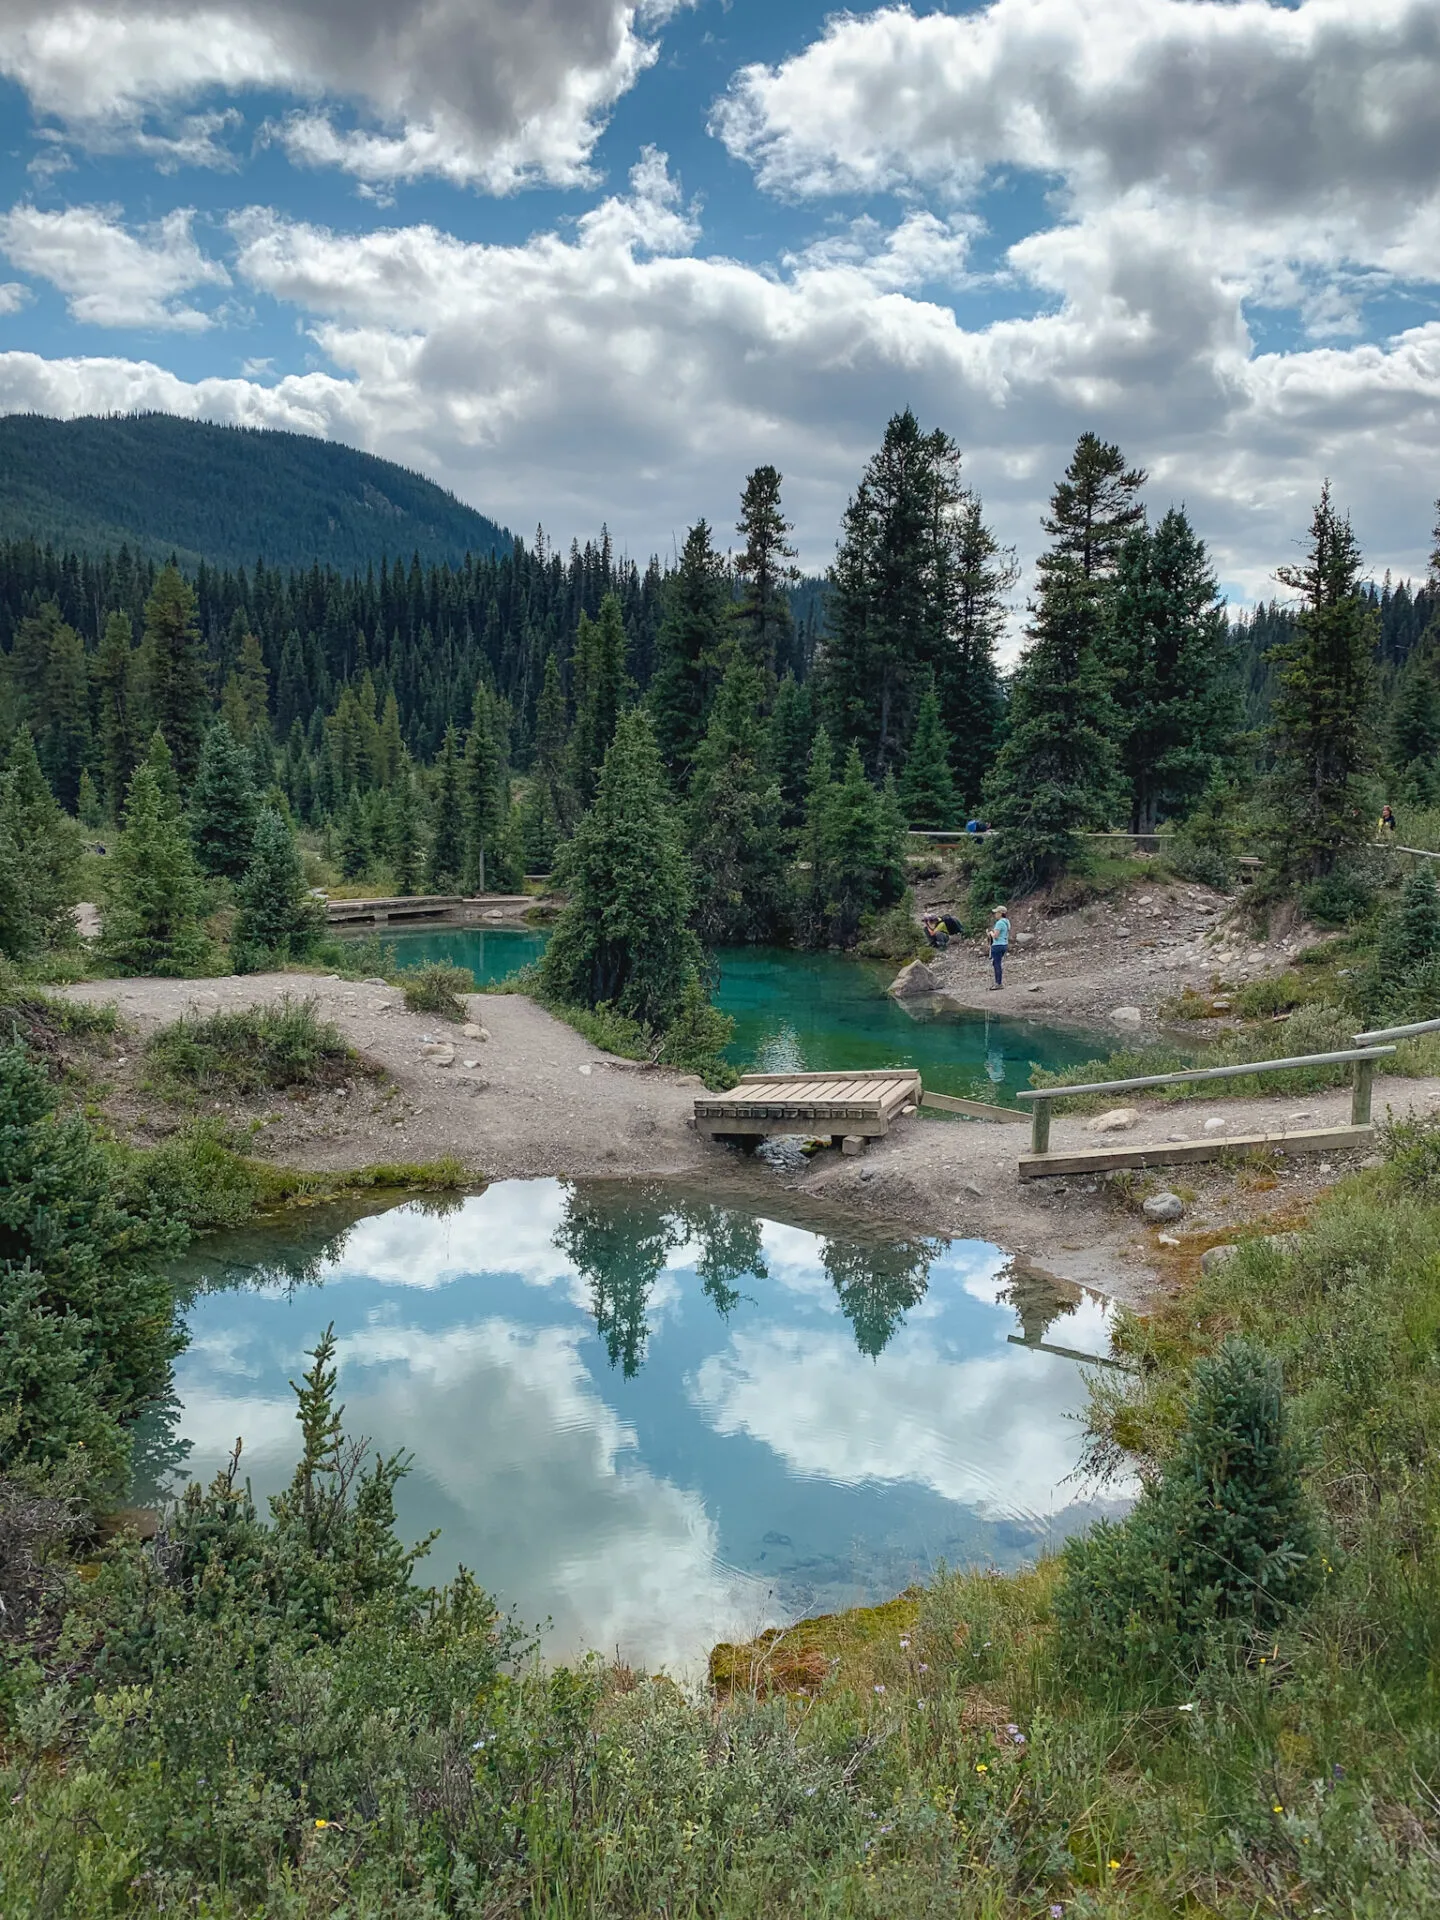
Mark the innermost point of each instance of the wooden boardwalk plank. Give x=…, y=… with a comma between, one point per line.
x=977, y=1109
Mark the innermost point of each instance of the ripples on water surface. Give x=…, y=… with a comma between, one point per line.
x=657, y=1420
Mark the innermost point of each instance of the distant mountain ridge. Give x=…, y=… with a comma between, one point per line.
x=227, y=495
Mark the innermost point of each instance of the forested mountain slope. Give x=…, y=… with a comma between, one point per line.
x=230, y=494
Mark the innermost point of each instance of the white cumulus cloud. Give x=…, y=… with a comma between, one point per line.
x=111, y=277
x=488, y=93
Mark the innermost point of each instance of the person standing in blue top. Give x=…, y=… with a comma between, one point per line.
x=999, y=946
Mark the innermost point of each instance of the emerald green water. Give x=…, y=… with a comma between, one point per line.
x=648, y=1416
x=811, y=1011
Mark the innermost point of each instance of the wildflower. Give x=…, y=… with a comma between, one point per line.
x=1189, y=1707
x=810, y=1792
x=1277, y=1808
x=879, y=1688
x=980, y=1767
x=1057, y=1912
x=923, y=1667
x=1114, y=1866
x=887, y=1829
x=904, y=1639
x=322, y=1823
x=1019, y=1739
x=920, y=1703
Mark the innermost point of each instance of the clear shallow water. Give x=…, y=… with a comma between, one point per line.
x=656, y=1420
x=811, y=1011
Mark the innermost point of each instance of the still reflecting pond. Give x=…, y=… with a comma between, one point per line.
x=658, y=1420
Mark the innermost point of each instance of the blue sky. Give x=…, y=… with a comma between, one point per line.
x=585, y=263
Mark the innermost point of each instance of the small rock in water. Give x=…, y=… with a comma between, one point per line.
x=917, y=978
x=1127, y=1016
x=1117, y=1120
x=1163, y=1206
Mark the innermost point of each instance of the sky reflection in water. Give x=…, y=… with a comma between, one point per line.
x=656, y=1420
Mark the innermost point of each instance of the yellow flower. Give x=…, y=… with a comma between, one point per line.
x=1277, y=1808
x=1114, y=1866
x=322, y=1823
x=980, y=1767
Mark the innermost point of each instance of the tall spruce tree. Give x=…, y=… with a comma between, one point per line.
x=277, y=920
x=763, y=629
x=152, y=898
x=49, y=678
x=1321, y=731
x=224, y=806
x=733, y=819
x=1413, y=726
x=40, y=856
x=623, y=938
x=601, y=687
x=1058, y=772
x=792, y=729
x=551, y=763
x=916, y=591
x=445, y=862
x=927, y=787
x=120, y=742
x=1174, y=672
x=355, y=848
x=691, y=637
x=404, y=806
x=177, y=696
x=485, y=803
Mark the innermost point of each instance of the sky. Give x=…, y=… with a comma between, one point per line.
x=588, y=262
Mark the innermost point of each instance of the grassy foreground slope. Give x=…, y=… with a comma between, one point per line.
x=223, y=494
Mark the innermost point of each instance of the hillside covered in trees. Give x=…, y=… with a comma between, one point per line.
x=228, y=495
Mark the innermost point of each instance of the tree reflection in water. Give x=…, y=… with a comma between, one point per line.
x=620, y=1243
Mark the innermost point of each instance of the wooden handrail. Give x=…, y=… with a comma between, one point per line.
x=1364, y=1059
x=1398, y=1033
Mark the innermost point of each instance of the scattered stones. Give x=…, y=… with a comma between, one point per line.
x=918, y=978
x=1117, y=1120
x=438, y=1052
x=1222, y=1003
x=1167, y=1240
x=1214, y=1258
x=1325, y=1167
x=1163, y=1206
x=1034, y=989
x=468, y=1064
x=1215, y=1124
x=472, y=1031
x=587, y=1068
x=1303, y=1118
x=1126, y=1016
x=1174, y=1139
x=974, y=1190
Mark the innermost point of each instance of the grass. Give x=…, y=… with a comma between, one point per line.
x=254, y=1050
x=437, y=988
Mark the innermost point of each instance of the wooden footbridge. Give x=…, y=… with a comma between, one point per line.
x=853, y=1109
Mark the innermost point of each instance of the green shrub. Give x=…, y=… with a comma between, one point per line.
x=697, y=1037
x=1339, y=900
x=1205, y=866
x=437, y=988
x=1226, y=1535
x=254, y=1050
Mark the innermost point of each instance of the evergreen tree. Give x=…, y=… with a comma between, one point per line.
x=1410, y=935
x=1174, y=683
x=916, y=593
x=175, y=670
x=354, y=850
x=404, y=831
x=390, y=746
x=1094, y=509
x=813, y=841
x=153, y=902
x=1413, y=731
x=539, y=829
x=733, y=817
x=927, y=786
x=1058, y=772
x=117, y=702
x=277, y=919
x=40, y=856
x=50, y=684
x=223, y=806
x=89, y=810
x=252, y=678
x=552, y=747
x=484, y=801
x=601, y=686
x=792, y=729
x=1321, y=719
x=691, y=636
x=864, y=859
x=445, y=864
x=623, y=938
x=763, y=628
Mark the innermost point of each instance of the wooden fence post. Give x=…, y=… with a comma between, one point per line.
x=1360, y=1098
x=1040, y=1127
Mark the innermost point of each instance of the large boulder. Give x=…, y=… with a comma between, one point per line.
x=1163, y=1206
x=912, y=981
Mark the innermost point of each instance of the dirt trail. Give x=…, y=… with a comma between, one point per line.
x=542, y=1101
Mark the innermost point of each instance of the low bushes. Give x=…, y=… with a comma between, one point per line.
x=437, y=989
x=254, y=1050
